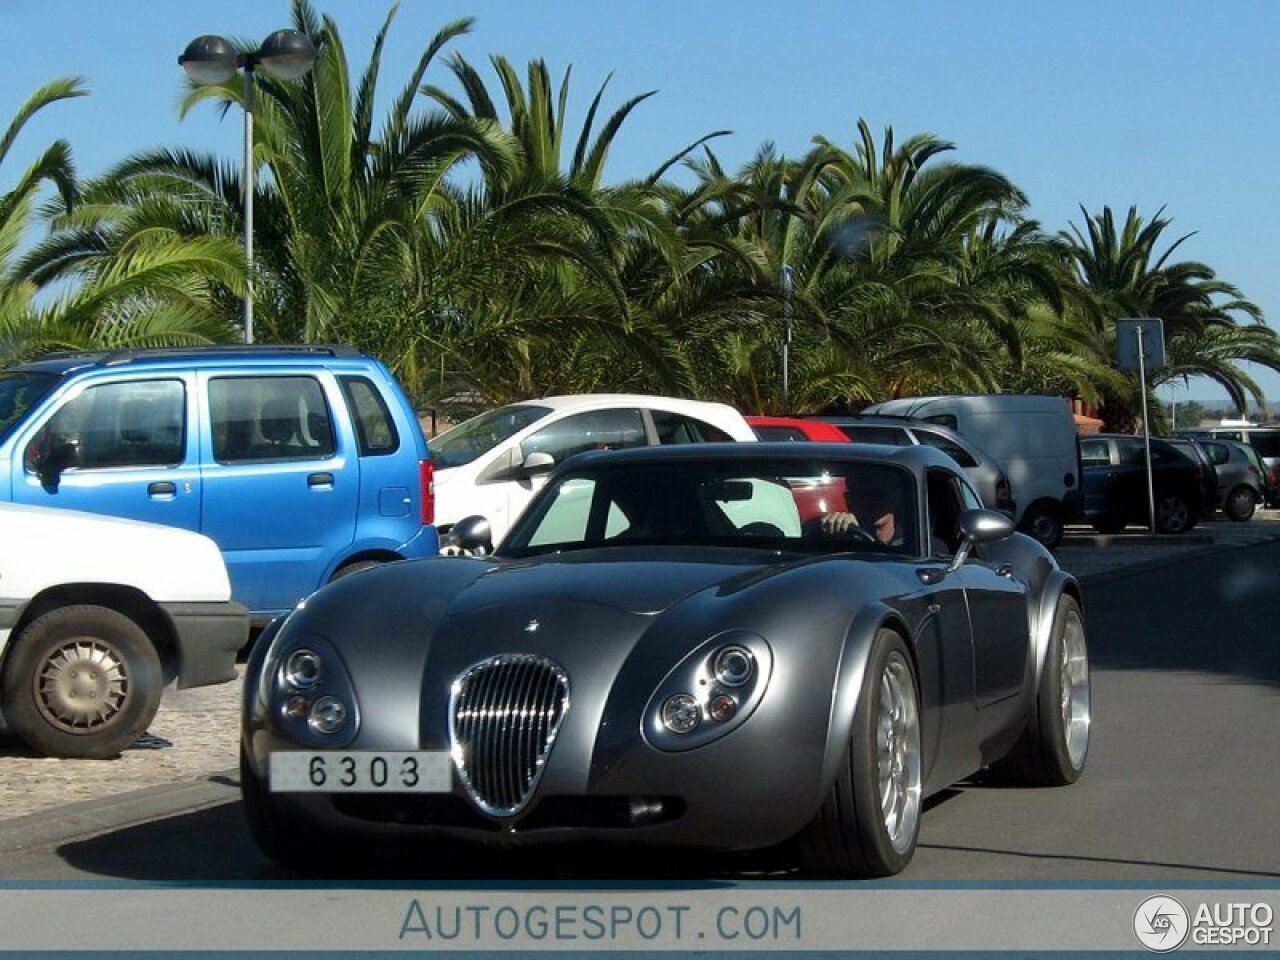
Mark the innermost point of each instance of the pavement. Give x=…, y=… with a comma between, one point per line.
x=188, y=758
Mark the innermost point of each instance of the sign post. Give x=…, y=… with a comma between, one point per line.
x=1140, y=346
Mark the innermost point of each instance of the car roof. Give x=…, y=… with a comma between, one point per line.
x=597, y=400
x=64, y=361
x=916, y=458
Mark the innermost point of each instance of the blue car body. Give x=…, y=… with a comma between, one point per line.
x=151, y=435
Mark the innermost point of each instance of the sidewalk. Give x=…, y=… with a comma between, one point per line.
x=190, y=754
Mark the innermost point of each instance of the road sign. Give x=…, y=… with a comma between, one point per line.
x=1140, y=343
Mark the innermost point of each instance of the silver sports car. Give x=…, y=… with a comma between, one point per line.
x=720, y=646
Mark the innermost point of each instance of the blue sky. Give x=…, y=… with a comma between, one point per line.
x=1147, y=103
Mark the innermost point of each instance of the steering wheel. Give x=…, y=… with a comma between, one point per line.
x=813, y=528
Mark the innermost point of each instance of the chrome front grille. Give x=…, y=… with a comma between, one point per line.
x=504, y=714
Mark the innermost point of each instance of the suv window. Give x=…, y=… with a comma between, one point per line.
x=1130, y=452
x=269, y=418
x=375, y=430
x=1094, y=453
x=677, y=428
x=952, y=449
x=128, y=424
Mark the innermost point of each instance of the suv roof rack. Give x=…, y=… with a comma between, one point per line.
x=128, y=355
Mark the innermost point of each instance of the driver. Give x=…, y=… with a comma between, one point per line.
x=874, y=498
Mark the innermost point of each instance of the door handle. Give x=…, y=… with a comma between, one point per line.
x=320, y=480
x=162, y=488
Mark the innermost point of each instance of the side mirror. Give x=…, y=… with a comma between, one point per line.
x=536, y=463
x=981, y=526
x=474, y=535
x=61, y=456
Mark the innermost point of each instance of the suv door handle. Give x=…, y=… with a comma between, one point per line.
x=320, y=480
x=162, y=488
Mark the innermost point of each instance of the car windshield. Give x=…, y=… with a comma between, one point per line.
x=475, y=437
x=806, y=505
x=20, y=391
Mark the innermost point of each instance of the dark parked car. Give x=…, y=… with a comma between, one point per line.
x=672, y=646
x=1115, y=484
x=1194, y=450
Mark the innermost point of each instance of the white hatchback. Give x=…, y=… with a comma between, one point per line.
x=97, y=614
x=492, y=464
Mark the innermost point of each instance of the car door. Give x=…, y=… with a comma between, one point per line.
x=1099, y=478
x=281, y=481
x=996, y=603
x=123, y=447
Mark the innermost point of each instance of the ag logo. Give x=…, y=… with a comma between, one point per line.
x=1161, y=924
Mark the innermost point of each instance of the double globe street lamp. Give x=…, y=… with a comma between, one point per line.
x=211, y=60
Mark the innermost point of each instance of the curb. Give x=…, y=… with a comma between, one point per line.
x=88, y=818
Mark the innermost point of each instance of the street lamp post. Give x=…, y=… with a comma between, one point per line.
x=210, y=60
x=788, y=287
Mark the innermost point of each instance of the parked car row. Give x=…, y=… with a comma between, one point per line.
x=304, y=464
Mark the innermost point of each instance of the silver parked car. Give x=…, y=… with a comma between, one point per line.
x=1241, y=484
x=984, y=471
x=675, y=645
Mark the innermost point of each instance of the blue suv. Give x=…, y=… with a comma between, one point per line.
x=303, y=463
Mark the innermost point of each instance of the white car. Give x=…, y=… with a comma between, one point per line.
x=97, y=614
x=493, y=464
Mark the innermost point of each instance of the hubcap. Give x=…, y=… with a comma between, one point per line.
x=898, y=752
x=1074, y=690
x=1173, y=515
x=82, y=686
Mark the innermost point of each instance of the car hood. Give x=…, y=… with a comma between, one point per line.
x=645, y=584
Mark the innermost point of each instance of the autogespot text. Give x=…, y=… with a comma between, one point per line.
x=618, y=923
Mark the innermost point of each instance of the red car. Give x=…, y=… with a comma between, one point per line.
x=792, y=428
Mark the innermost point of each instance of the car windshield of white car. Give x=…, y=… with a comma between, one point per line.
x=773, y=504
x=473, y=438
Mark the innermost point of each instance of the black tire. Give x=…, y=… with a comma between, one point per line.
x=1240, y=504
x=81, y=681
x=356, y=567
x=1055, y=744
x=853, y=834
x=1043, y=521
x=1174, y=514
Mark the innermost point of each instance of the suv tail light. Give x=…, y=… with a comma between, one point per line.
x=427, y=491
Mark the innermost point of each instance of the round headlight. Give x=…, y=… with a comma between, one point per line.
x=680, y=713
x=733, y=666
x=328, y=715
x=302, y=669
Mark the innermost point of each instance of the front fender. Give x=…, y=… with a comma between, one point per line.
x=850, y=673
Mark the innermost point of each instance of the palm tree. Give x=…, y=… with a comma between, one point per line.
x=1125, y=276
x=23, y=331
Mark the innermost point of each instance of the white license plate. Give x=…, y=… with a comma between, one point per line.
x=361, y=771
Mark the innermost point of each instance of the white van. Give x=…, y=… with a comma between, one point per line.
x=1033, y=437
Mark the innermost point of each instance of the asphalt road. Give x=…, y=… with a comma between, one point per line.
x=1182, y=781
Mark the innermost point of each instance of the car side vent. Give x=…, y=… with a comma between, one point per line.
x=504, y=714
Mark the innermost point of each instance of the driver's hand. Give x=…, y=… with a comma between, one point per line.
x=838, y=522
